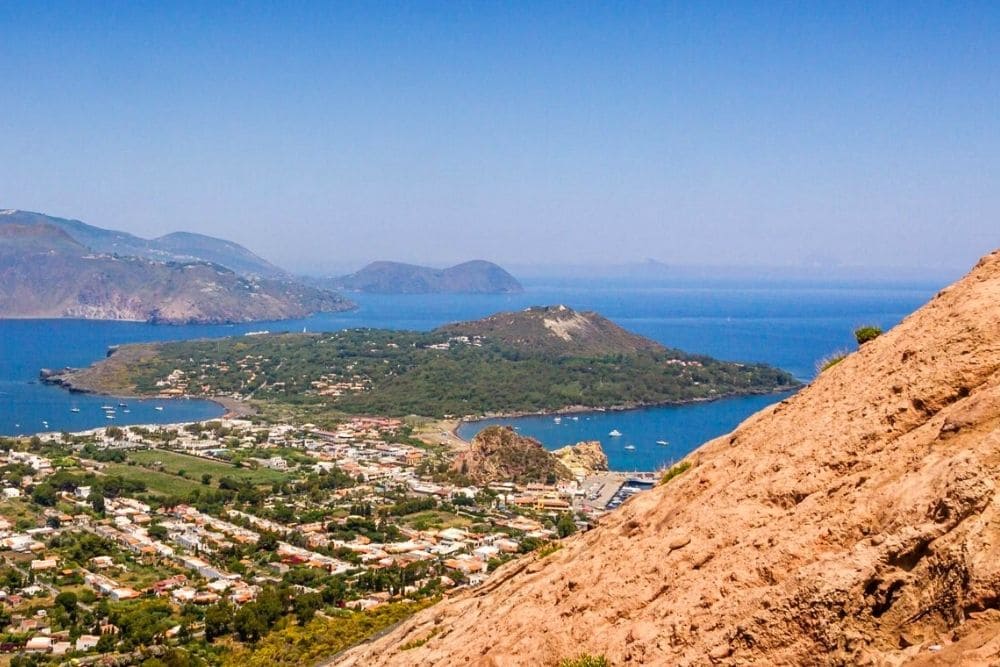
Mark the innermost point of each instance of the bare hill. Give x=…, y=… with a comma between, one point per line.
x=556, y=329
x=857, y=522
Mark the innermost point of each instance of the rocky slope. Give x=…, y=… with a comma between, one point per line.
x=857, y=522
x=475, y=277
x=498, y=454
x=46, y=273
x=175, y=247
x=583, y=458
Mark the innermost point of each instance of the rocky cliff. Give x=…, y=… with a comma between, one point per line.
x=583, y=458
x=499, y=454
x=857, y=522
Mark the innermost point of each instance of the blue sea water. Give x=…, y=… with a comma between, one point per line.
x=790, y=325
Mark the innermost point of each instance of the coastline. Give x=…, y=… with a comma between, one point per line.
x=581, y=409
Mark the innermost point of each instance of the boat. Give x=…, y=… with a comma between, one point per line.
x=662, y=442
x=576, y=419
x=615, y=433
x=107, y=407
x=126, y=410
x=45, y=423
x=109, y=416
x=557, y=420
x=630, y=448
x=159, y=408
x=74, y=409
x=122, y=405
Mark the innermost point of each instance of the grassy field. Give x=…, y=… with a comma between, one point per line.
x=436, y=519
x=194, y=467
x=157, y=482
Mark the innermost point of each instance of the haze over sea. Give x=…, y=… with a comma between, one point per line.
x=788, y=324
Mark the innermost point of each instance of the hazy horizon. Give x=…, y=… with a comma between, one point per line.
x=783, y=135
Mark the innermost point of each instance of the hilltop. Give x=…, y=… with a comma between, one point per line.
x=184, y=247
x=856, y=522
x=556, y=330
x=475, y=277
x=498, y=454
x=45, y=273
x=435, y=374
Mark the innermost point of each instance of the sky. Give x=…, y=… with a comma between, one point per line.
x=325, y=135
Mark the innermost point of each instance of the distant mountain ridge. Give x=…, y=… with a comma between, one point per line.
x=45, y=273
x=473, y=277
x=173, y=247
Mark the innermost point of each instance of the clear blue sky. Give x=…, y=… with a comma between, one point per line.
x=329, y=134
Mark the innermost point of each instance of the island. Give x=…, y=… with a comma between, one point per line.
x=46, y=273
x=475, y=277
x=541, y=359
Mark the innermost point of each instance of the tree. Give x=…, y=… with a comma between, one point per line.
x=565, y=526
x=249, y=624
x=68, y=601
x=219, y=619
x=867, y=333
x=206, y=479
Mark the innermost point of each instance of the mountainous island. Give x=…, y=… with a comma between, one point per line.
x=475, y=277
x=539, y=359
x=52, y=268
x=856, y=522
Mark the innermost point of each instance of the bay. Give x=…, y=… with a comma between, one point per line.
x=788, y=324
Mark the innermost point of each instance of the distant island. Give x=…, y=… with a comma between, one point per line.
x=475, y=277
x=537, y=360
x=174, y=247
x=45, y=272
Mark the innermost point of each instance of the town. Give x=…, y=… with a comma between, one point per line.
x=122, y=538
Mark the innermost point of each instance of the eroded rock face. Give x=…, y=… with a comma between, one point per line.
x=857, y=522
x=584, y=458
x=499, y=454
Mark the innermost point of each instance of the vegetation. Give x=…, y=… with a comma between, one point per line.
x=399, y=373
x=675, y=470
x=306, y=644
x=830, y=361
x=585, y=660
x=867, y=333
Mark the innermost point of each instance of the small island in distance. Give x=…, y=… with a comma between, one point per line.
x=473, y=277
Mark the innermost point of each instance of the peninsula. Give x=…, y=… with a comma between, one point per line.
x=537, y=360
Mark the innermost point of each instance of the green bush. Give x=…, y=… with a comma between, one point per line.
x=585, y=660
x=830, y=361
x=867, y=333
x=674, y=471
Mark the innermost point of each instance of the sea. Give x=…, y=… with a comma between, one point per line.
x=790, y=324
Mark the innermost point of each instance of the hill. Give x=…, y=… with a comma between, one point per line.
x=498, y=454
x=46, y=273
x=475, y=277
x=176, y=247
x=556, y=330
x=856, y=522
x=438, y=373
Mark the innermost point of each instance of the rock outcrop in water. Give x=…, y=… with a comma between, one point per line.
x=855, y=523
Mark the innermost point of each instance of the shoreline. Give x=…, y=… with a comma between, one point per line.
x=580, y=409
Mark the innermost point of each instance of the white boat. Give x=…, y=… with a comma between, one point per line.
x=557, y=420
x=74, y=409
x=107, y=407
x=126, y=410
x=576, y=419
x=662, y=442
x=615, y=433
x=630, y=448
x=110, y=415
x=159, y=408
x=45, y=423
